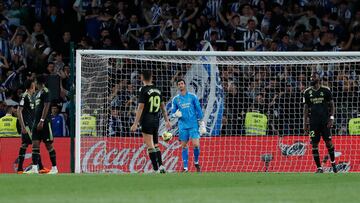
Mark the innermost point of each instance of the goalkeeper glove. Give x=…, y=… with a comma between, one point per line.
x=202, y=128
x=178, y=114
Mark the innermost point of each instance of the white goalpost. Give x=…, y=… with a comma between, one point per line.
x=252, y=104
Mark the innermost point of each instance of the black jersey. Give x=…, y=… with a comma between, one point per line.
x=151, y=97
x=27, y=104
x=41, y=98
x=318, y=103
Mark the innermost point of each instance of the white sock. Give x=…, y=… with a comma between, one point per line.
x=35, y=167
x=54, y=168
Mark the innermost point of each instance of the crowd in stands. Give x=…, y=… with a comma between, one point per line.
x=35, y=38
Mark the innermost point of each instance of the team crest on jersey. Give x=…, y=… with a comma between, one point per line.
x=321, y=94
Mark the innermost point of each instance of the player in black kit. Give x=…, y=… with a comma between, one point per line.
x=26, y=120
x=148, y=116
x=41, y=130
x=317, y=101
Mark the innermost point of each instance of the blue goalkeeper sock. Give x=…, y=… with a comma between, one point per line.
x=196, y=154
x=185, y=156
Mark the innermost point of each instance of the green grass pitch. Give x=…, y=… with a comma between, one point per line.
x=176, y=187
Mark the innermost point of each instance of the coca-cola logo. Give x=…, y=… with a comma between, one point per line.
x=342, y=167
x=105, y=157
x=296, y=149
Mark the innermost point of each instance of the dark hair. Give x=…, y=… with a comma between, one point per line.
x=146, y=74
x=40, y=79
x=180, y=80
x=251, y=20
x=40, y=38
x=55, y=105
x=9, y=109
x=27, y=84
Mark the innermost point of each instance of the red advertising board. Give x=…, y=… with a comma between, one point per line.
x=9, y=149
x=225, y=154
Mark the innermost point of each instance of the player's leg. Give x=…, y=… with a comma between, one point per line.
x=52, y=154
x=35, y=155
x=184, y=136
x=42, y=169
x=48, y=138
x=21, y=158
x=315, y=139
x=158, y=151
x=326, y=134
x=148, y=140
x=25, y=142
x=195, y=140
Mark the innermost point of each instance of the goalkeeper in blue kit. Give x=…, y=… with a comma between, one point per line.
x=186, y=107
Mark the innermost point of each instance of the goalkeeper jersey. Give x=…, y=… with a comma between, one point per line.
x=190, y=109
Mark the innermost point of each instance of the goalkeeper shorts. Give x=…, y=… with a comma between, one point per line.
x=189, y=133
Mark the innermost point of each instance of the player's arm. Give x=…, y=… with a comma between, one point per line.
x=44, y=111
x=163, y=110
x=332, y=108
x=306, y=111
x=139, y=112
x=21, y=119
x=306, y=117
x=43, y=115
x=175, y=111
x=199, y=115
x=198, y=110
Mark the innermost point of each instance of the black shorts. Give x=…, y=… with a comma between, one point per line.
x=152, y=130
x=319, y=130
x=44, y=135
x=27, y=137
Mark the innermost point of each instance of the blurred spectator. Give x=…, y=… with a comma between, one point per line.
x=249, y=25
x=40, y=54
x=252, y=36
x=57, y=122
x=64, y=45
x=214, y=29
x=54, y=25
x=8, y=124
x=2, y=108
x=38, y=30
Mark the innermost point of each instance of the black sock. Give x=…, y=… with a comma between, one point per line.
x=158, y=155
x=41, y=166
x=22, y=152
x=52, y=155
x=35, y=155
x=152, y=155
x=331, y=151
x=315, y=152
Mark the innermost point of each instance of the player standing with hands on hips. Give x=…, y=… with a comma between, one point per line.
x=318, y=99
x=186, y=107
x=147, y=114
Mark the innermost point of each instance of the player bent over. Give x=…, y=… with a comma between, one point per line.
x=147, y=114
x=317, y=99
x=41, y=130
x=186, y=107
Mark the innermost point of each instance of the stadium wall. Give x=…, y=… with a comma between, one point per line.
x=242, y=154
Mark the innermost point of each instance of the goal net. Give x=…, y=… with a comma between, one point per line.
x=252, y=104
